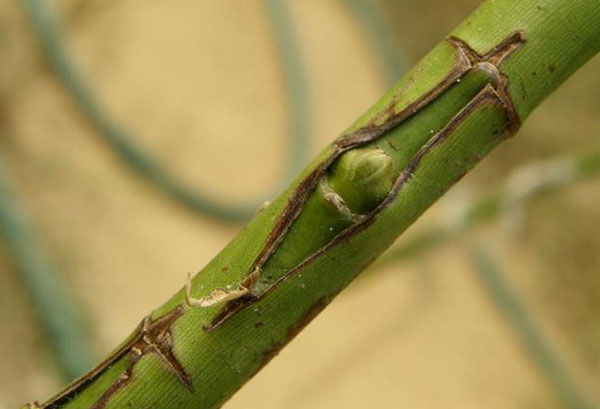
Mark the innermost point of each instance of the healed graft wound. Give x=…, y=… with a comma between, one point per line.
x=357, y=184
x=466, y=60
x=353, y=184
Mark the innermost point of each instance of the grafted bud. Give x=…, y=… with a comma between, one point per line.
x=363, y=178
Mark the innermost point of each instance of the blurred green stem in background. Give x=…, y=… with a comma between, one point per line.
x=524, y=184
x=295, y=77
x=58, y=313
x=146, y=165
x=514, y=310
x=386, y=47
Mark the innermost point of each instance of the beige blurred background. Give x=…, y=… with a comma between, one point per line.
x=199, y=84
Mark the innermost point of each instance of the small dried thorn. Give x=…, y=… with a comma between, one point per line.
x=219, y=295
x=251, y=279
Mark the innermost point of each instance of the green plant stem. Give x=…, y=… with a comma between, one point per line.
x=515, y=312
x=292, y=259
x=524, y=184
x=58, y=314
x=121, y=142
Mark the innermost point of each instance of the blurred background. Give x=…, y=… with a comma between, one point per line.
x=137, y=136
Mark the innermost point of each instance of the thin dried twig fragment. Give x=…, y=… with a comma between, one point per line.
x=219, y=294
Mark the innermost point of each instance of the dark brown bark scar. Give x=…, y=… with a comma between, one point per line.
x=466, y=59
x=150, y=336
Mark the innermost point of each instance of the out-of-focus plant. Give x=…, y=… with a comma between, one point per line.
x=58, y=313
x=529, y=334
x=145, y=164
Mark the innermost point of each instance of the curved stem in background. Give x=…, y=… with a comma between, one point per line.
x=296, y=84
x=58, y=314
x=514, y=310
x=524, y=184
x=387, y=49
x=145, y=164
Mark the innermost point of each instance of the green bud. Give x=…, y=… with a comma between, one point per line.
x=363, y=178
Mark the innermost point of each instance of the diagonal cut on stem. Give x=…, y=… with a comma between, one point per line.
x=468, y=60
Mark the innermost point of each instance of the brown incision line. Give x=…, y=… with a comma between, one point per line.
x=466, y=59
x=150, y=336
x=154, y=336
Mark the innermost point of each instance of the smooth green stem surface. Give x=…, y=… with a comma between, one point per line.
x=144, y=163
x=298, y=253
x=515, y=312
x=57, y=312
